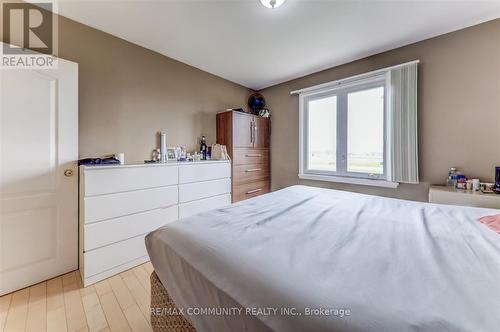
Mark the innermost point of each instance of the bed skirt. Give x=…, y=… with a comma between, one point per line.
x=163, y=309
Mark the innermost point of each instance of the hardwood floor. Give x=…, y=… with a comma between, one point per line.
x=120, y=303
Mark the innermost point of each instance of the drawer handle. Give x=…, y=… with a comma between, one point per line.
x=253, y=191
x=253, y=170
x=253, y=155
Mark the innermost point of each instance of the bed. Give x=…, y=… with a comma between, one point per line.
x=311, y=259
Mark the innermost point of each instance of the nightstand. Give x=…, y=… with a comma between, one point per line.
x=452, y=196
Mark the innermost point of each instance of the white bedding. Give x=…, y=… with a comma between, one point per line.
x=395, y=265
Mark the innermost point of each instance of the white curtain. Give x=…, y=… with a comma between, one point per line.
x=401, y=129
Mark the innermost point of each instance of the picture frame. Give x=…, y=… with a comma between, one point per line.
x=171, y=154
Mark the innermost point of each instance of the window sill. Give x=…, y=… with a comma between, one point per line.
x=340, y=179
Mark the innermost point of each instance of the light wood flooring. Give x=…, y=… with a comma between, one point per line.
x=120, y=303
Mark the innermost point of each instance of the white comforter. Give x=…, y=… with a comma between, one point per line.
x=395, y=265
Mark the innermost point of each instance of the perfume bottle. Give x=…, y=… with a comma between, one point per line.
x=203, y=148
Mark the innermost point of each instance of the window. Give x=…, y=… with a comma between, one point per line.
x=365, y=131
x=344, y=135
x=361, y=130
x=322, y=138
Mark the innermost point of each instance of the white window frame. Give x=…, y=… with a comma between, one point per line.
x=341, y=90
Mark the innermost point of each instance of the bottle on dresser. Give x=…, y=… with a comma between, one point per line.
x=203, y=148
x=452, y=177
x=456, y=179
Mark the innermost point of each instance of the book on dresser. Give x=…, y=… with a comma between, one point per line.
x=120, y=204
x=247, y=138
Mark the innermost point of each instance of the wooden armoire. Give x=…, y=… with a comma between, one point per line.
x=247, y=138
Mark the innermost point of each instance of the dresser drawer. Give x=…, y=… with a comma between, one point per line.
x=199, y=190
x=204, y=172
x=249, y=190
x=252, y=172
x=107, y=232
x=203, y=205
x=120, y=204
x=105, y=258
x=250, y=156
x=104, y=180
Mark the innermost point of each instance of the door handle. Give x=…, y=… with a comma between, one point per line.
x=253, y=170
x=253, y=191
x=251, y=132
x=253, y=155
x=68, y=172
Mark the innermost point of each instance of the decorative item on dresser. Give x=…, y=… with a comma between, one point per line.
x=247, y=138
x=120, y=204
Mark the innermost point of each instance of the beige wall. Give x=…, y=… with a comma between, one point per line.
x=128, y=93
x=458, y=105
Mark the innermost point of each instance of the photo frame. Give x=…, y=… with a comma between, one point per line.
x=171, y=154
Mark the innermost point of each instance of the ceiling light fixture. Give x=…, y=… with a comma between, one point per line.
x=272, y=3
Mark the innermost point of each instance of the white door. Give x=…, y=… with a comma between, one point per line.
x=38, y=202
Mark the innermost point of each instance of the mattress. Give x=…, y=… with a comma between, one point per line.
x=311, y=259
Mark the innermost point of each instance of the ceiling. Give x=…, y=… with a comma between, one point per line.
x=244, y=42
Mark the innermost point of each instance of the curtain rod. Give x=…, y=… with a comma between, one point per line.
x=339, y=81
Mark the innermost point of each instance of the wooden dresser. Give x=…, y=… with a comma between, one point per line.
x=247, y=138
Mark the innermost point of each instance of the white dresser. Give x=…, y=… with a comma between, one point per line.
x=452, y=196
x=120, y=204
